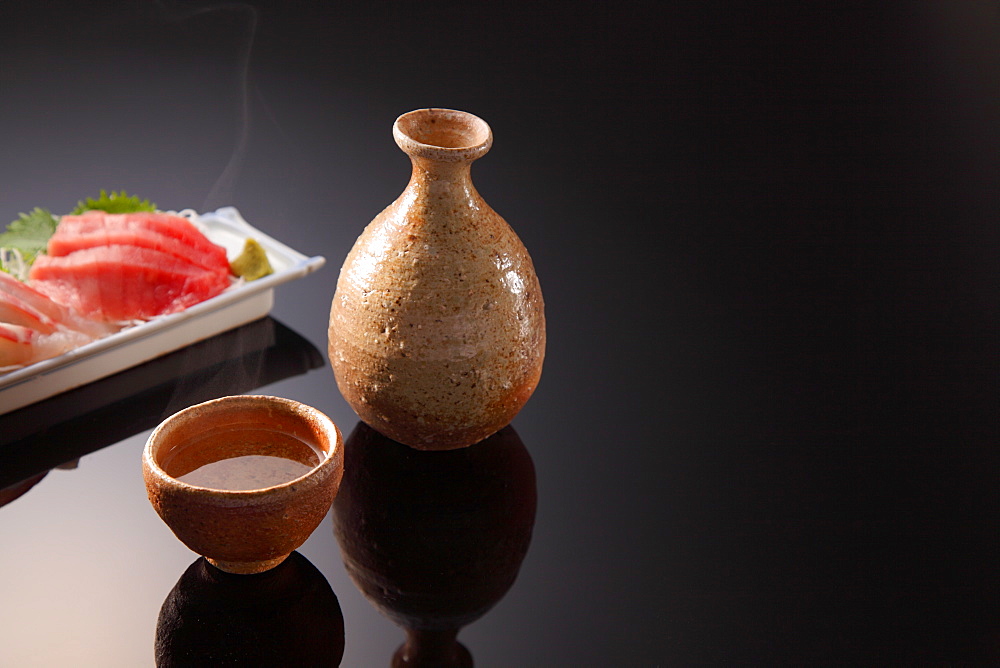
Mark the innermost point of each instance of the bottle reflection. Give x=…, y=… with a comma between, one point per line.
x=434, y=539
x=287, y=616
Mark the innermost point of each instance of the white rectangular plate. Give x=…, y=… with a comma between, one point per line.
x=236, y=306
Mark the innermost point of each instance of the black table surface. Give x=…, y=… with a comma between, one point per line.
x=767, y=236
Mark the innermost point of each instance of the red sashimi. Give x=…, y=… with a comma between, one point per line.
x=165, y=224
x=121, y=283
x=64, y=243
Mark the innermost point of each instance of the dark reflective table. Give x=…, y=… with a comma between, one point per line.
x=767, y=235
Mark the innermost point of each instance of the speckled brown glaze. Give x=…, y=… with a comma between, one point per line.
x=437, y=327
x=244, y=531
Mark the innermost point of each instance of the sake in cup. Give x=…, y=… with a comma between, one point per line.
x=244, y=480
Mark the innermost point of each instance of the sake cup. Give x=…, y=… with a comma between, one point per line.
x=244, y=480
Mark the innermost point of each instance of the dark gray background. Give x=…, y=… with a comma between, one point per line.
x=767, y=236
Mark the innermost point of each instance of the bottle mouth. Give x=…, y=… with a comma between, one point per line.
x=443, y=134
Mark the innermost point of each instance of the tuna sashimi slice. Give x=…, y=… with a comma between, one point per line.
x=67, y=240
x=167, y=224
x=47, y=310
x=123, y=283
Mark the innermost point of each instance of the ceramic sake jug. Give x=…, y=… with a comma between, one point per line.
x=437, y=327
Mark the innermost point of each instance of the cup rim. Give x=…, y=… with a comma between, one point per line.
x=329, y=458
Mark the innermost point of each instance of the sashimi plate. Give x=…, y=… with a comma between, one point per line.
x=238, y=305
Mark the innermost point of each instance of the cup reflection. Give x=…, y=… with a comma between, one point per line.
x=434, y=539
x=287, y=616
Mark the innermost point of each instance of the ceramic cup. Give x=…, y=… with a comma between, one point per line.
x=285, y=464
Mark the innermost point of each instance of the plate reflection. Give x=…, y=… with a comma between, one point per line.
x=287, y=616
x=17, y=490
x=37, y=438
x=434, y=539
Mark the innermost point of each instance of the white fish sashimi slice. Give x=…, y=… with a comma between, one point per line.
x=16, y=344
x=15, y=311
x=65, y=317
x=58, y=342
x=21, y=346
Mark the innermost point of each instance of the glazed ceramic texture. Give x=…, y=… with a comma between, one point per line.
x=437, y=326
x=244, y=531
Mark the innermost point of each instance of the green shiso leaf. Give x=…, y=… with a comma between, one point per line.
x=119, y=202
x=28, y=236
x=30, y=233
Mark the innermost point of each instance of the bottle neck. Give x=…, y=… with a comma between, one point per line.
x=428, y=171
x=438, y=180
x=432, y=648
